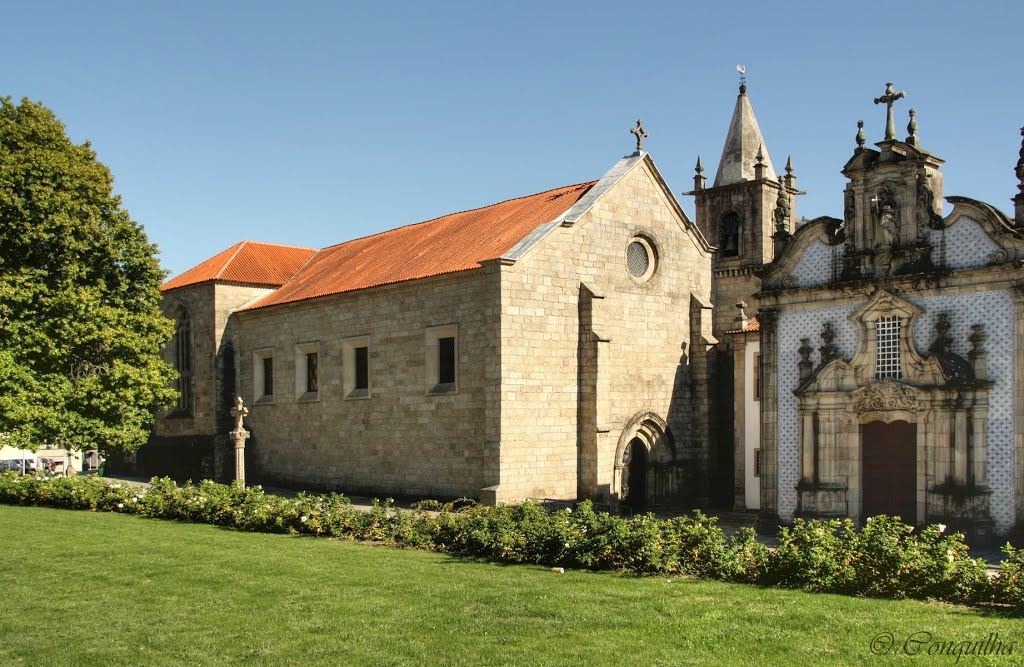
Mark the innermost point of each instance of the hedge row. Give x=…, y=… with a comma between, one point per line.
x=886, y=558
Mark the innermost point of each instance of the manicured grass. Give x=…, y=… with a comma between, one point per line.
x=84, y=588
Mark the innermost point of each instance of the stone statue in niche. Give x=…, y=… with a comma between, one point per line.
x=888, y=211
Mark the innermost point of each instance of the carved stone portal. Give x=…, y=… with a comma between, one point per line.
x=885, y=396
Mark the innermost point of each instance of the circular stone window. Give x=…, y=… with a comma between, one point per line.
x=640, y=258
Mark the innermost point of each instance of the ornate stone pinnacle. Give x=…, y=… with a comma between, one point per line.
x=861, y=137
x=1020, y=162
x=887, y=99
x=698, y=177
x=789, y=165
x=640, y=134
x=912, y=129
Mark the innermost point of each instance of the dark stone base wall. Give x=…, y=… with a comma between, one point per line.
x=178, y=457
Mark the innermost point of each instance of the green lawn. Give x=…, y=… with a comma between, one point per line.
x=83, y=588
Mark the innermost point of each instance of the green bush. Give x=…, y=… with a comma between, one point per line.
x=886, y=558
x=1008, y=584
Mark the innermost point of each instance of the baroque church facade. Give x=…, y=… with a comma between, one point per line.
x=592, y=342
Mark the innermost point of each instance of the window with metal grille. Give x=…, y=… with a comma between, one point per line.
x=887, y=351
x=638, y=259
x=183, y=364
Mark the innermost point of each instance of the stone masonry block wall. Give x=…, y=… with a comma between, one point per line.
x=642, y=326
x=402, y=440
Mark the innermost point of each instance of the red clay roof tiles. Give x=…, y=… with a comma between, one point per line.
x=451, y=243
x=246, y=262
x=752, y=325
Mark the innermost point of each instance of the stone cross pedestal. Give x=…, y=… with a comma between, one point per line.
x=238, y=437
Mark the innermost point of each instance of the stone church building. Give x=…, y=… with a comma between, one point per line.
x=592, y=342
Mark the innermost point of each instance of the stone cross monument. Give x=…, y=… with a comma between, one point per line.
x=238, y=436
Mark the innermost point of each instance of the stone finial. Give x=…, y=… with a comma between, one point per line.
x=942, y=341
x=912, y=130
x=759, y=165
x=698, y=178
x=1018, y=201
x=1020, y=161
x=828, y=349
x=861, y=137
x=805, y=364
x=887, y=99
x=743, y=79
x=640, y=133
x=742, y=320
x=790, y=177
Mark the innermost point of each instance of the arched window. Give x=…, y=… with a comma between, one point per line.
x=729, y=235
x=183, y=362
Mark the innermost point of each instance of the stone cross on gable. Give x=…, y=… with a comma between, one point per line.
x=890, y=96
x=640, y=134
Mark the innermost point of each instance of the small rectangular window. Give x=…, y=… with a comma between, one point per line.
x=356, y=367
x=307, y=371
x=757, y=377
x=268, y=376
x=442, y=359
x=446, y=360
x=757, y=462
x=312, y=381
x=362, y=361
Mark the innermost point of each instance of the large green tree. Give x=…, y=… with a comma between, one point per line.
x=80, y=323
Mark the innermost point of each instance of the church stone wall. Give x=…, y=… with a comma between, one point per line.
x=199, y=302
x=557, y=398
x=402, y=440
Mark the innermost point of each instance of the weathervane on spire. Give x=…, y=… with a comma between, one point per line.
x=743, y=78
x=640, y=134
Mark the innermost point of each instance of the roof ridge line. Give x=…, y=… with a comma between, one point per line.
x=448, y=215
x=226, y=264
x=280, y=245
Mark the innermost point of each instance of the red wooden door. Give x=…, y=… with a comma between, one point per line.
x=889, y=470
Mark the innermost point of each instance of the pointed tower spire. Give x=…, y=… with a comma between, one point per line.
x=790, y=178
x=698, y=178
x=741, y=144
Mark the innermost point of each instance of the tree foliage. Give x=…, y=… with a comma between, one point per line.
x=80, y=323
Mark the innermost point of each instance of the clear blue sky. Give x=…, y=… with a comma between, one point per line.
x=311, y=123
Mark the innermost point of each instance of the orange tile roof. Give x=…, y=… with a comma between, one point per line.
x=752, y=325
x=246, y=262
x=451, y=243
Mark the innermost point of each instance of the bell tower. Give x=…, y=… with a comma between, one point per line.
x=748, y=213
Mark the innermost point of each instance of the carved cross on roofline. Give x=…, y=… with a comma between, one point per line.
x=640, y=133
x=890, y=96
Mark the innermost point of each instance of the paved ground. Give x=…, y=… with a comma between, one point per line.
x=730, y=522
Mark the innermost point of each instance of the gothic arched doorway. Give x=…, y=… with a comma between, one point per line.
x=634, y=487
x=647, y=475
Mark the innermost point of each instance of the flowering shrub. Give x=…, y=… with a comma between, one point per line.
x=886, y=558
x=1008, y=584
